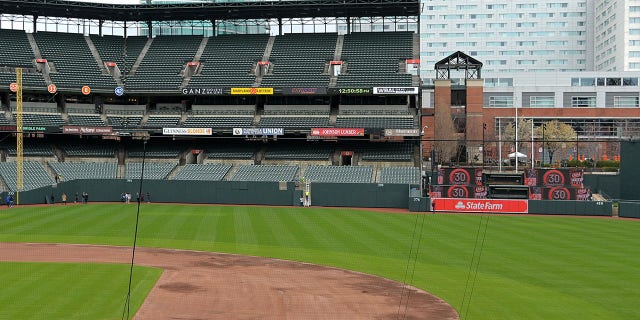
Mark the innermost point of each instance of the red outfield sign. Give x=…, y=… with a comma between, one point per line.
x=337, y=132
x=482, y=205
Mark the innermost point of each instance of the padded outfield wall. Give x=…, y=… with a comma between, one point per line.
x=367, y=195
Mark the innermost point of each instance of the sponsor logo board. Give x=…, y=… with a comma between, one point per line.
x=482, y=205
x=187, y=131
x=395, y=90
x=251, y=91
x=401, y=132
x=203, y=91
x=338, y=132
x=258, y=131
x=86, y=130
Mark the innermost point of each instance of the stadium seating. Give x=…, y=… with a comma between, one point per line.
x=152, y=170
x=339, y=174
x=403, y=175
x=35, y=176
x=378, y=122
x=123, y=52
x=31, y=148
x=298, y=152
x=84, y=170
x=162, y=121
x=204, y=172
x=229, y=151
x=99, y=148
x=265, y=173
x=15, y=50
x=156, y=150
x=227, y=61
x=86, y=120
x=73, y=61
x=117, y=121
x=220, y=121
x=396, y=151
x=29, y=80
x=299, y=60
x=41, y=119
x=161, y=67
x=373, y=58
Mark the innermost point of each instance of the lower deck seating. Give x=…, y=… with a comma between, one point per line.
x=35, y=176
x=203, y=172
x=265, y=173
x=404, y=175
x=339, y=174
x=152, y=171
x=84, y=170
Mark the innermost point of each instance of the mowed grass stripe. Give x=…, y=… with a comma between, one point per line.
x=70, y=291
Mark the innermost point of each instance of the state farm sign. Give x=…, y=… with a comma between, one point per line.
x=481, y=205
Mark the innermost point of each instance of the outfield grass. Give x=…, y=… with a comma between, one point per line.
x=530, y=267
x=70, y=290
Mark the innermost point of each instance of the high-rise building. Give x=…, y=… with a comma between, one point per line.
x=527, y=36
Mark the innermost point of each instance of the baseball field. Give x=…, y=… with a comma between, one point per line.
x=486, y=267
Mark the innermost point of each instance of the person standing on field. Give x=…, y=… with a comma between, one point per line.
x=64, y=198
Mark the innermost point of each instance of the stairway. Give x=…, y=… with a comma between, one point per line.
x=143, y=53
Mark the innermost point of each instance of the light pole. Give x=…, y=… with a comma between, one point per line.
x=484, y=128
x=422, y=171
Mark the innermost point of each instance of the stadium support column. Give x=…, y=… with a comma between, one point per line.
x=475, y=119
x=279, y=26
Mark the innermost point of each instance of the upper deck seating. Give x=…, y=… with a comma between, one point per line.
x=227, y=60
x=15, y=50
x=122, y=51
x=161, y=67
x=73, y=61
x=298, y=59
x=373, y=59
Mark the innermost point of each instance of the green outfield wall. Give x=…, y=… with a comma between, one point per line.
x=627, y=209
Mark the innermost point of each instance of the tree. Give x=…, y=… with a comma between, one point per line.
x=524, y=132
x=446, y=143
x=555, y=135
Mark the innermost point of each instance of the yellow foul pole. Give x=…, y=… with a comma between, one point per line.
x=19, y=145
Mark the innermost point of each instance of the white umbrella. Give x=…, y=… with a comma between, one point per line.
x=517, y=154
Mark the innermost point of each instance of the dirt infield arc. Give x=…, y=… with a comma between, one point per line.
x=203, y=285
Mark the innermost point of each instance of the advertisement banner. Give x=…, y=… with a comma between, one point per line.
x=463, y=176
x=559, y=193
x=187, y=131
x=251, y=91
x=401, y=132
x=86, y=130
x=338, y=132
x=304, y=90
x=481, y=205
x=258, y=131
x=554, y=177
x=395, y=90
x=204, y=91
